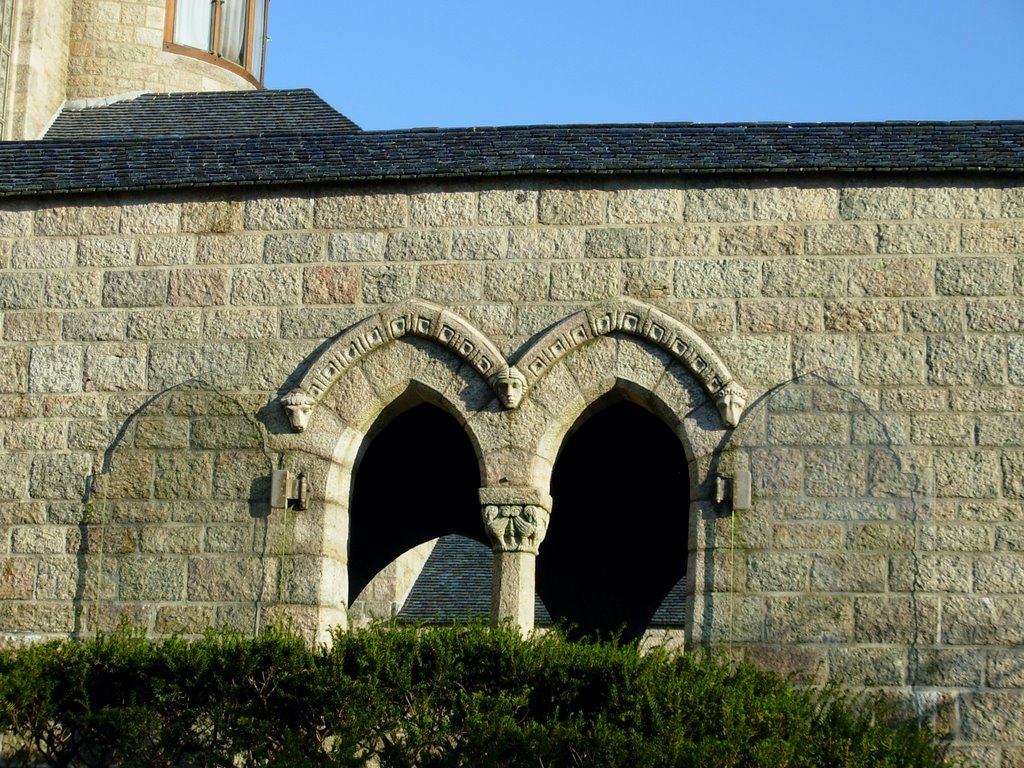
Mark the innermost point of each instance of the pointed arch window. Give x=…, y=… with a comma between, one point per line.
x=231, y=33
x=615, y=555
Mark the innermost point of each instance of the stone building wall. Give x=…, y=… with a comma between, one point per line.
x=146, y=340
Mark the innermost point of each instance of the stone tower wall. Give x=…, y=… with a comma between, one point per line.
x=39, y=66
x=68, y=50
x=117, y=47
x=146, y=340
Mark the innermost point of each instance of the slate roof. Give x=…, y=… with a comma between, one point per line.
x=455, y=585
x=291, y=151
x=197, y=115
x=672, y=611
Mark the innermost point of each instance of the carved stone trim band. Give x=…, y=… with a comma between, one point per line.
x=512, y=382
x=415, y=318
x=647, y=323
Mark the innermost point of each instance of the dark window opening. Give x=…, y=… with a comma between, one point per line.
x=417, y=480
x=616, y=546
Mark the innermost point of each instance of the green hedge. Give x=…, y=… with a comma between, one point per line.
x=457, y=696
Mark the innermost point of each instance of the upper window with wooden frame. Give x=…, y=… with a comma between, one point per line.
x=231, y=33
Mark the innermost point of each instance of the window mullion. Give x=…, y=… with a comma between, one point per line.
x=171, y=12
x=250, y=20
x=218, y=6
x=261, y=31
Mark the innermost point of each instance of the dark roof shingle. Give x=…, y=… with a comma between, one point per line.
x=455, y=585
x=289, y=149
x=210, y=115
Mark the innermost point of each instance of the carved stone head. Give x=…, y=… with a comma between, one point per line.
x=731, y=400
x=298, y=405
x=509, y=384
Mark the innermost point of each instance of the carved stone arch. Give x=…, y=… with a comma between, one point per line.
x=391, y=379
x=635, y=370
x=628, y=316
x=440, y=357
x=630, y=367
x=616, y=544
x=382, y=380
x=417, y=477
x=413, y=318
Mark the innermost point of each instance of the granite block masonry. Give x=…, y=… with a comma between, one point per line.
x=157, y=369
x=751, y=388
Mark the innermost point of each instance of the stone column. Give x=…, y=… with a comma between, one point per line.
x=516, y=520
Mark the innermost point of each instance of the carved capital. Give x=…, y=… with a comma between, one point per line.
x=731, y=399
x=298, y=405
x=515, y=527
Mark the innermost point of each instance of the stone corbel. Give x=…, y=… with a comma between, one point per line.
x=298, y=406
x=509, y=384
x=731, y=400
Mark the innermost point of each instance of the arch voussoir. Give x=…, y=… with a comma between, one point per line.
x=413, y=318
x=634, y=318
x=681, y=392
x=640, y=364
x=353, y=399
x=594, y=367
x=557, y=391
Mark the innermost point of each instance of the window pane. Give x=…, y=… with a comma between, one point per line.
x=6, y=12
x=4, y=70
x=193, y=23
x=234, y=18
x=6, y=7
x=259, y=31
x=5, y=18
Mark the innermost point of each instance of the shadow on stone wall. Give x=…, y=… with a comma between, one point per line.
x=175, y=533
x=833, y=567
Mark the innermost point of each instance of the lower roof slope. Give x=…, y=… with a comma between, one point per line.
x=455, y=585
x=210, y=115
x=288, y=137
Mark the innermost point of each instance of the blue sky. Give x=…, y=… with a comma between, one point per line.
x=408, y=63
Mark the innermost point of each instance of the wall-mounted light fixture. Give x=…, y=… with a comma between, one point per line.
x=287, y=490
x=735, y=488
